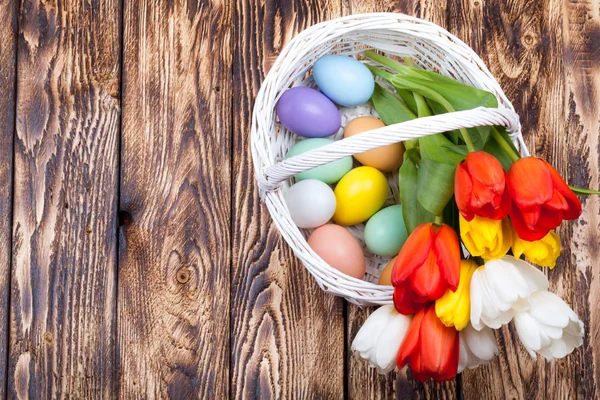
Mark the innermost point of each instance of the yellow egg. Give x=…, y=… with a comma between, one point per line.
x=385, y=278
x=359, y=195
x=387, y=158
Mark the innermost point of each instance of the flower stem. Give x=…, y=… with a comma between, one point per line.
x=391, y=64
x=439, y=220
x=438, y=98
x=379, y=72
x=505, y=146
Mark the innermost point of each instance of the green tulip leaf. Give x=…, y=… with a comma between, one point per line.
x=435, y=185
x=412, y=211
x=583, y=191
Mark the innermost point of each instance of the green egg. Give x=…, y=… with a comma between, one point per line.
x=385, y=232
x=328, y=173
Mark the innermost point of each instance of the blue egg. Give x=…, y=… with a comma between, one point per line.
x=344, y=80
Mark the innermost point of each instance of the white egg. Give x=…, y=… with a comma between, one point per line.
x=311, y=203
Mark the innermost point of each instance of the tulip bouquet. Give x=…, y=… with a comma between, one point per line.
x=470, y=186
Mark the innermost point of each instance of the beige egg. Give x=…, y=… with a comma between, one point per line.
x=385, y=278
x=339, y=249
x=387, y=158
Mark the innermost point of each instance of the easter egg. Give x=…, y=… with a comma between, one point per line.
x=385, y=278
x=387, y=158
x=328, y=173
x=307, y=112
x=311, y=203
x=359, y=195
x=385, y=232
x=344, y=80
x=339, y=249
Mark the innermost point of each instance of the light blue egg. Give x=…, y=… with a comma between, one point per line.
x=344, y=80
x=385, y=232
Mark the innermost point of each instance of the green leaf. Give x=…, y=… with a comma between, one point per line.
x=438, y=148
x=435, y=185
x=408, y=99
x=390, y=109
x=458, y=149
x=413, y=212
x=583, y=191
x=496, y=150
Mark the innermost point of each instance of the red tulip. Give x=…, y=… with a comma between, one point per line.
x=427, y=265
x=541, y=198
x=479, y=187
x=429, y=347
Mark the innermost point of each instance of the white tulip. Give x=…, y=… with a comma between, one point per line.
x=497, y=286
x=547, y=325
x=379, y=339
x=476, y=347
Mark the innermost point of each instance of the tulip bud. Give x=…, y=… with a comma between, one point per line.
x=454, y=308
x=480, y=187
x=543, y=252
x=486, y=238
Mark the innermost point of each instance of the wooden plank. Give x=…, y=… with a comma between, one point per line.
x=364, y=382
x=581, y=162
x=174, y=249
x=287, y=335
x=64, y=232
x=522, y=44
x=8, y=56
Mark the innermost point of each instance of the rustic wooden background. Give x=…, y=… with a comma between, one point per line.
x=136, y=260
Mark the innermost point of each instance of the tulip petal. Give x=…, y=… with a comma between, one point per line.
x=390, y=340
x=463, y=187
x=411, y=340
x=573, y=210
x=405, y=299
x=528, y=331
x=447, y=252
x=525, y=232
x=414, y=253
x=426, y=280
x=529, y=182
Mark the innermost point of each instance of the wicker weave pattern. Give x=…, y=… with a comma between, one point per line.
x=432, y=48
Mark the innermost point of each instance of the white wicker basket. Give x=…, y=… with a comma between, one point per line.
x=432, y=48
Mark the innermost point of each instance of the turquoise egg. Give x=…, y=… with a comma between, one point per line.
x=328, y=173
x=385, y=232
x=344, y=80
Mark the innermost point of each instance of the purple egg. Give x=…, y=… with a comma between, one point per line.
x=309, y=113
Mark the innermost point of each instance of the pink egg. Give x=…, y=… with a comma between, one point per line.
x=339, y=249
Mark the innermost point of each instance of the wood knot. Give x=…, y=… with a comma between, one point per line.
x=528, y=40
x=183, y=275
x=48, y=337
x=476, y=3
x=125, y=218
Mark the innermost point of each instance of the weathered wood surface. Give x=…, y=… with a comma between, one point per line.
x=202, y=298
x=63, y=292
x=174, y=243
x=8, y=47
x=287, y=336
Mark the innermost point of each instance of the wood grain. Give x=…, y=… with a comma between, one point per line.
x=8, y=57
x=287, y=336
x=174, y=248
x=64, y=231
x=581, y=162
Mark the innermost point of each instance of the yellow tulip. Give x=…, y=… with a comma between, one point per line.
x=543, y=252
x=486, y=238
x=454, y=308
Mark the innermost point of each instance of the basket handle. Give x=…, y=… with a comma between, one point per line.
x=274, y=175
